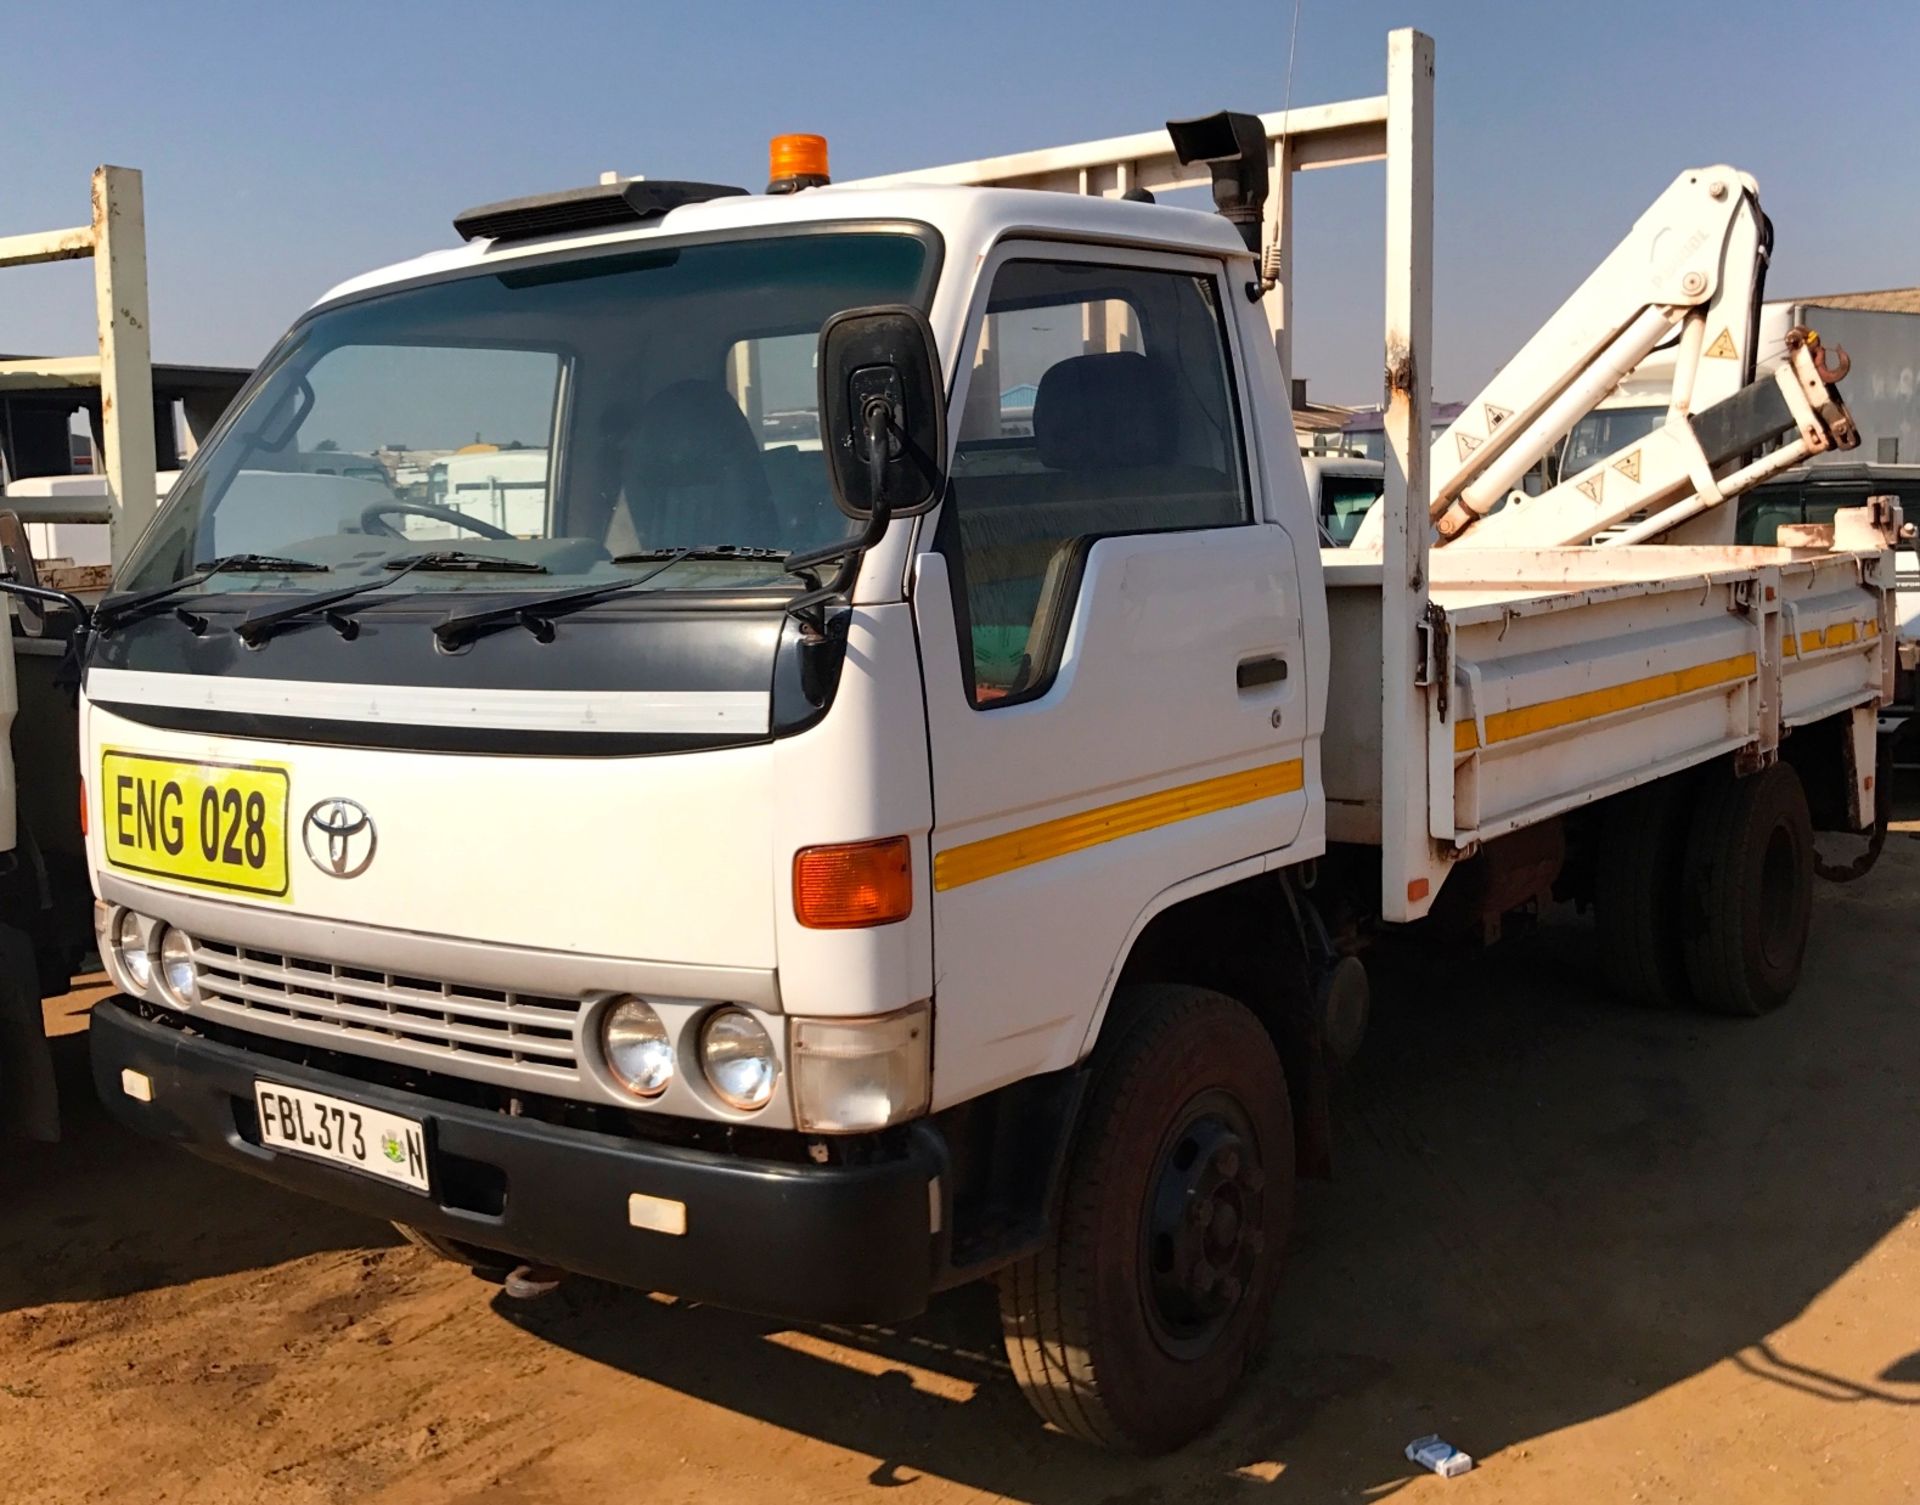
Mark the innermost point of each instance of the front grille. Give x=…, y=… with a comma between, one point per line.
x=490, y=1034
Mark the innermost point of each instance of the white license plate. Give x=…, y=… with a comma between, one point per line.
x=329, y=1128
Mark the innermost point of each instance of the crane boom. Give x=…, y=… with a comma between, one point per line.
x=1689, y=272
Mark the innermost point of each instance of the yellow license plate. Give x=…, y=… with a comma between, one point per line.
x=215, y=825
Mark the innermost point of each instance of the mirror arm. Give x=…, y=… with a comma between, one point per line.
x=810, y=606
x=882, y=445
x=12, y=587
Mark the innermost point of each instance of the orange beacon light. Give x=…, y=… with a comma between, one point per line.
x=796, y=162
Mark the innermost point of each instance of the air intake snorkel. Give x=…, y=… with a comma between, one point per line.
x=1234, y=146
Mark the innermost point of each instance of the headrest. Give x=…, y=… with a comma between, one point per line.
x=694, y=434
x=1100, y=410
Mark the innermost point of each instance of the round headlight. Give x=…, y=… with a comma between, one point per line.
x=176, y=968
x=130, y=948
x=638, y=1050
x=737, y=1055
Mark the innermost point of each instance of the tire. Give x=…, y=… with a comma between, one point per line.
x=486, y=1263
x=1638, y=896
x=1113, y=1329
x=1748, y=876
x=29, y=1096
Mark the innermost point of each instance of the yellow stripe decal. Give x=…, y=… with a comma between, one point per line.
x=1091, y=828
x=1550, y=715
x=1839, y=635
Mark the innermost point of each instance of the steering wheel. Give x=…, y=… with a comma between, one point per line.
x=373, y=519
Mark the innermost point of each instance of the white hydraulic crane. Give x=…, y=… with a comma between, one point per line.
x=1690, y=271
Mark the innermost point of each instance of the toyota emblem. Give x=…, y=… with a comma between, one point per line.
x=339, y=837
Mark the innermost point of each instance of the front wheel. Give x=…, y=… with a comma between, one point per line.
x=1132, y=1327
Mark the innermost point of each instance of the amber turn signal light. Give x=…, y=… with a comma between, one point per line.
x=853, y=885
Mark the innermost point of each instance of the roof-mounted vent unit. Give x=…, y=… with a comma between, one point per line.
x=600, y=207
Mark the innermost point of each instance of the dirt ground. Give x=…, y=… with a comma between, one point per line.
x=1616, y=1255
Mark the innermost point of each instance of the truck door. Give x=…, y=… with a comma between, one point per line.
x=1112, y=645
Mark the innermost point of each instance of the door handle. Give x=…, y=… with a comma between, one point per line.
x=1259, y=671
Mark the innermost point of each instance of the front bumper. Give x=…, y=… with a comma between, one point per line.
x=803, y=1242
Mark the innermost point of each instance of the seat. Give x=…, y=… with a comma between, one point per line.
x=1104, y=432
x=694, y=476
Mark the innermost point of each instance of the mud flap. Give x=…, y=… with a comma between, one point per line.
x=29, y=1100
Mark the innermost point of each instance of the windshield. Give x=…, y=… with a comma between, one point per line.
x=1344, y=501
x=1604, y=432
x=572, y=419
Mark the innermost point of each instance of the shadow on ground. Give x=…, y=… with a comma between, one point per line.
x=1548, y=1207
x=105, y=1213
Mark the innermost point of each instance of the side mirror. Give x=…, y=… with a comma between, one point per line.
x=883, y=412
x=17, y=564
x=20, y=578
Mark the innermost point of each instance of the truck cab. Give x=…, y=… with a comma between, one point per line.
x=595, y=929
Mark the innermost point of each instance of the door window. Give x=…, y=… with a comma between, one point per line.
x=1100, y=402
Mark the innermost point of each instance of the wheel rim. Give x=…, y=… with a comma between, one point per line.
x=1779, y=872
x=1205, y=1226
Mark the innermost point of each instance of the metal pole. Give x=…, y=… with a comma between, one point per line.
x=126, y=353
x=1280, y=237
x=1407, y=862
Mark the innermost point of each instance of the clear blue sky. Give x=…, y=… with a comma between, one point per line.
x=289, y=146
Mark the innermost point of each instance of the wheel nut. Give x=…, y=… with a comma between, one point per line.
x=1200, y=1211
x=1230, y=1289
x=1229, y=1163
x=1204, y=1276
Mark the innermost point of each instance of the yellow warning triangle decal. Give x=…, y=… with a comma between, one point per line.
x=1629, y=467
x=1722, y=347
x=1496, y=416
x=1591, y=488
x=1467, y=443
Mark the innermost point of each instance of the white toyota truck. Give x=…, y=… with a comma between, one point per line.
x=804, y=879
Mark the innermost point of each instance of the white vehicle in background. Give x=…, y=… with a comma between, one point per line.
x=506, y=488
x=806, y=929
x=70, y=544
x=1343, y=490
x=1879, y=331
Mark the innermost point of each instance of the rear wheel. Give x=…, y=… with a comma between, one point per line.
x=1638, y=895
x=1132, y=1327
x=1748, y=876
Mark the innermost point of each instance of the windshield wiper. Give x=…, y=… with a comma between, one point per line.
x=805, y=563
x=718, y=551
x=261, y=625
x=536, y=613
x=116, y=610
x=457, y=559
